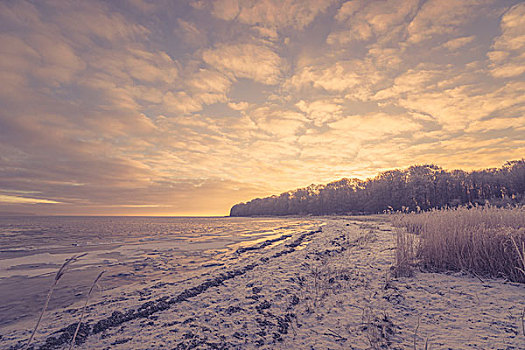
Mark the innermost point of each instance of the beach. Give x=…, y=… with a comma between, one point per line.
x=328, y=287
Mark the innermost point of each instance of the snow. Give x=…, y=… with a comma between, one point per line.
x=333, y=290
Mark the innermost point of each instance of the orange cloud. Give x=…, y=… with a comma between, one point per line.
x=251, y=61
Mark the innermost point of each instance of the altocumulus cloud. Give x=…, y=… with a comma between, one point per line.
x=189, y=107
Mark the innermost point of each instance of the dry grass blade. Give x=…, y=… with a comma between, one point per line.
x=58, y=276
x=334, y=334
x=523, y=322
x=521, y=254
x=415, y=333
x=84, y=309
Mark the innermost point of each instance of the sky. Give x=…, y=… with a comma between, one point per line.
x=188, y=107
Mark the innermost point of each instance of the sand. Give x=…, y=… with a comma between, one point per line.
x=330, y=288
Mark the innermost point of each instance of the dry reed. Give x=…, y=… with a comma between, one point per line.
x=405, y=254
x=486, y=241
x=72, y=344
x=58, y=276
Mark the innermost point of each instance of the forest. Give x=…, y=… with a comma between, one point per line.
x=419, y=187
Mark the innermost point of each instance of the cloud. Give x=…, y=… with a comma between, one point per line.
x=276, y=121
x=411, y=81
x=207, y=81
x=226, y=9
x=321, y=111
x=40, y=57
x=239, y=106
x=24, y=200
x=358, y=143
x=354, y=78
x=151, y=67
x=359, y=31
x=442, y=17
x=250, y=61
x=362, y=19
x=190, y=33
x=466, y=151
x=271, y=13
x=121, y=124
x=144, y=6
x=456, y=43
x=374, y=126
x=87, y=22
x=512, y=37
x=516, y=124
x=508, y=50
x=348, y=9
x=181, y=102
x=453, y=108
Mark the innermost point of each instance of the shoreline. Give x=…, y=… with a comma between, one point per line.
x=331, y=289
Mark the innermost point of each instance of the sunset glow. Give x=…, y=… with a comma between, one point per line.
x=188, y=107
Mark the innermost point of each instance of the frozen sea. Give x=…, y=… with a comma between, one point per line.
x=132, y=250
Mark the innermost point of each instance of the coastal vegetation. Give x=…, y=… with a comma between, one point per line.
x=419, y=187
x=485, y=241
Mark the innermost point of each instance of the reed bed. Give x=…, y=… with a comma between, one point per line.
x=485, y=241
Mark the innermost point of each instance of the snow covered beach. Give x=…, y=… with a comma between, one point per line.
x=325, y=288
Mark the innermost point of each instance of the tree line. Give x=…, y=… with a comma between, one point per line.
x=419, y=187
